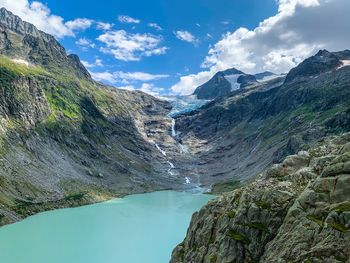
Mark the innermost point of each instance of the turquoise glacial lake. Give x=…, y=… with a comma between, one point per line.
x=142, y=228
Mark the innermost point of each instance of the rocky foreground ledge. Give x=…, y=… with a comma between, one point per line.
x=297, y=211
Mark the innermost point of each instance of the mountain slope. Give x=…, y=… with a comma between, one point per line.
x=223, y=82
x=296, y=211
x=240, y=135
x=65, y=139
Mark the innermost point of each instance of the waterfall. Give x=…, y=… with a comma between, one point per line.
x=172, y=166
x=159, y=149
x=173, y=131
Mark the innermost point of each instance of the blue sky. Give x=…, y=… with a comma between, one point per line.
x=171, y=47
x=206, y=20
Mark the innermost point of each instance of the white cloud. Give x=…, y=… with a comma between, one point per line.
x=98, y=63
x=87, y=64
x=225, y=23
x=79, y=24
x=85, y=43
x=280, y=42
x=131, y=47
x=148, y=88
x=185, y=36
x=138, y=76
x=103, y=76
x=125, y=77
x=128, y=19
x=188, y=83
x=104, y=26
x=155, y=26
x=40, y=15
x=151, y=89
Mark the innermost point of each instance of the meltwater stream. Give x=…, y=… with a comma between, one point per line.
x=138, y=228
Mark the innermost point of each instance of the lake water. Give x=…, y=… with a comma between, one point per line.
x=141, y=228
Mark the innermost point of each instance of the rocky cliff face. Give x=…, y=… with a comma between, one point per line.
x=296, y=211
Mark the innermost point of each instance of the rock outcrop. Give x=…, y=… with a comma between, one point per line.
x=296, y=211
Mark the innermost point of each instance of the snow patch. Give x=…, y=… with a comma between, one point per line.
x=345, y=63
x=22, y=62
x=267, y=78
x=187, y=180
x=233, y=79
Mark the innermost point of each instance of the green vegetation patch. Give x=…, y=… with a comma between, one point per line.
x=343, y=207
x=339, y=227
x=257, y=225
x=263, y=204
x=237, y=236
x=231, y=214
x=14, y=68
x=213, y=258
x=316, y=218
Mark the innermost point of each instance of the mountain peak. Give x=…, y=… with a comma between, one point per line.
x=22, y=40
x=223, y=83
x=324, y=61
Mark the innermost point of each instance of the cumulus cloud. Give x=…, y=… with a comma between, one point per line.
x=151, y=89
x=280, y=42
x=104, y=26
x=131, y=47
x=127, y=77
x=138, y=76
x=188, y=83
x=185, y=36
x=155, y=26
x=128, y=19
x=40, y=15
x=97, y=63
x=103, y=76
x=85, y=43
x=115, y=78
x=79, y=24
